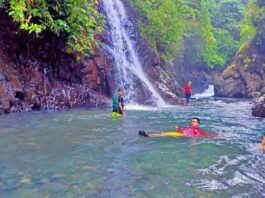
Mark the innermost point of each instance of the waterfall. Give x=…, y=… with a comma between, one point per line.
x=127, y=66
x=207, y=93
x=49, y=102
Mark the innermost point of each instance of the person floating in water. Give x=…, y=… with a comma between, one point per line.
x=188, y=92
x=191, y=131
x=118, y=104
x=262, y=144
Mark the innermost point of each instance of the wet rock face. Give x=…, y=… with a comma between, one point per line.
x=97, y=73
x=36, y=88
x=38, y=74
x=245, y=77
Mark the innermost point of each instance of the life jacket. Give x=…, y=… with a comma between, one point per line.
x=115, y=102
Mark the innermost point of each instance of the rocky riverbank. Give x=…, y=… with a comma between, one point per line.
x=36, y=73
x=245, y=77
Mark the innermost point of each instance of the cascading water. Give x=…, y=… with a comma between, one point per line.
x=207, y=93
x=128, y=67
x=49, y=102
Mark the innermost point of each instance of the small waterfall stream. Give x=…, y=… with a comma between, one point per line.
x=49, y=103
x=207, y=93
x=128, y=68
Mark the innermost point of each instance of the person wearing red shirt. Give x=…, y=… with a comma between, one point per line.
x=192, y=131
x=188, y=92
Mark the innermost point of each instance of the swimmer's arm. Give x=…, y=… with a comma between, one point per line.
x=200, y=132
x=178, y=129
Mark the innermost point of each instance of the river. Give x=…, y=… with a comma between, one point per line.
x=87, y=153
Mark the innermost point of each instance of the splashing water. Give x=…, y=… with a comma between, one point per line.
x=207, y=93
x=128, y=67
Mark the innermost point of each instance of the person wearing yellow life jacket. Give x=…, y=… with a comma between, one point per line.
x=118, y=104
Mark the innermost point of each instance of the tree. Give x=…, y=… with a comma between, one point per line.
x=169, y=23
x=78, y=19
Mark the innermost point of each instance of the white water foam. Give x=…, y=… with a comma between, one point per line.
x=140, y=108
x=136, y=107
x=207, y=93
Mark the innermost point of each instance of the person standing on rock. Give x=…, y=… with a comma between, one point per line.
x=188, y=92
x=118, y=104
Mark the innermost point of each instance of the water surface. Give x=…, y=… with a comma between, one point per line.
x=87, y=153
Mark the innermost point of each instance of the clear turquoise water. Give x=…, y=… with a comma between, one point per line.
x=87, y=153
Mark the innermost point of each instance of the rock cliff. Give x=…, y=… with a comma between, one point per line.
x=36, y=73
x=245, y=76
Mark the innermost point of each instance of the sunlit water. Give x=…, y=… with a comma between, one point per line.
x=87, y=153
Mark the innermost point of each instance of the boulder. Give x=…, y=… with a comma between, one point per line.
x=255, y=94
x=258, y=110
x=245, y=77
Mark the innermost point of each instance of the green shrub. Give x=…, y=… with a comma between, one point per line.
x=78, y=19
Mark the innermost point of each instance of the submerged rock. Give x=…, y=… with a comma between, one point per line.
x=54, y=187
x=25, y=180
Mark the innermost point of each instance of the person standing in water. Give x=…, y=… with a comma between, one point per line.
x=188, y=92
x=118, y=104
x=262, y=144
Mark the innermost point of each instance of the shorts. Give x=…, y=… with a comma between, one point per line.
x=188, y=97
x=117, y=110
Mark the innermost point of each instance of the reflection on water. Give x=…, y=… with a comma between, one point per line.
x=84, y=153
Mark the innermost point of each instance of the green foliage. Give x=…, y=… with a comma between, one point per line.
x=162, y=23
x=77, y=18
x=248, y=31
x=84, y=21
x=226, y=19
x=254, y=25
x=227, y=45
x=209, y=29
x=167, y=24
x=207, y=46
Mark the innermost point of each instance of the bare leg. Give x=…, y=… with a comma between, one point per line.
x=157, y=135
x=143, y=133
